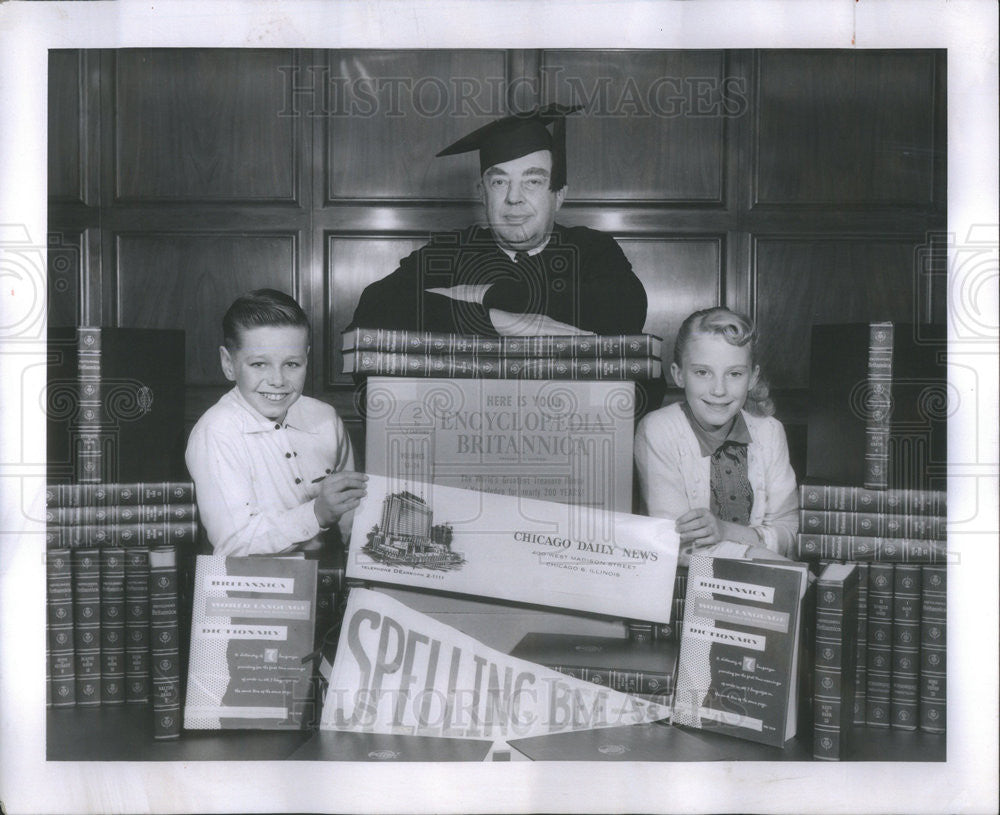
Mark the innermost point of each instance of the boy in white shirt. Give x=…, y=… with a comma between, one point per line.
x=273, y=469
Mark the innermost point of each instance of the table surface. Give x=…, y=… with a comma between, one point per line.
x=125, y=733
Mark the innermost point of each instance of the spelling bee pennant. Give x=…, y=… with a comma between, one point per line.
x=400, y=671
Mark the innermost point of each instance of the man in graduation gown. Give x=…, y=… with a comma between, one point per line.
x=521, y=272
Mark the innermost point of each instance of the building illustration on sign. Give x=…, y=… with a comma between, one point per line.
x=407, y=535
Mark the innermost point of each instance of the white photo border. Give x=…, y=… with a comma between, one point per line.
x=967, y=782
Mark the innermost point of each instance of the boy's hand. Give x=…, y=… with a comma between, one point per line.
x=339, y=494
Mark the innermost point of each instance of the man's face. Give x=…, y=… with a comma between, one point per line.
x=520, y=207
x=269, y=367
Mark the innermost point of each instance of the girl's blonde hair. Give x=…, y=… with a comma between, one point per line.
x=736, y=329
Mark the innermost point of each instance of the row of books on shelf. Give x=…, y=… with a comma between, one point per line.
x=113, y=606
x=145, y=494
x=385, y=352
x=880, y=650
x=854, y=523
x=114, y=629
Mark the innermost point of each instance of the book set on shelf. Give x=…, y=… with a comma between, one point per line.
x=114, y=621
x=873, y=522
x=386, y=352
x=645, y=668
x=897, y=655
x=120, y=517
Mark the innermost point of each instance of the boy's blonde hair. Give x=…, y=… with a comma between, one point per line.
x=736, y=329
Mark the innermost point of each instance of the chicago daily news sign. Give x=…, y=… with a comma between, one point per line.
x=510, y=548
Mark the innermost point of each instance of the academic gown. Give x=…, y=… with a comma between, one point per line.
x=581, y=278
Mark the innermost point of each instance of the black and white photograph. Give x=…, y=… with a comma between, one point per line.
x=501, y=407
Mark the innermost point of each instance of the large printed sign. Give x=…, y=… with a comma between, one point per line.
x=400, y=671
x=553, y=440
x=510, y=548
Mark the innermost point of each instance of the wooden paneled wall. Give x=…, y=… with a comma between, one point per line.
x=800, y=186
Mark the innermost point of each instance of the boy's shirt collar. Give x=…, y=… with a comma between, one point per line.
x=709, y=442
x=254, y=422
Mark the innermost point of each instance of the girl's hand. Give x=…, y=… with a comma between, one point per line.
x=699, y=527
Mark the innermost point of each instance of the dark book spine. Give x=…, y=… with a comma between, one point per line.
x=87, y=625
x=108, y=495
x=680, y=592
x=164, y=635
x=112, y=625
x=394, y=341
x=468, y=366
x=59, y=607
x=640, y=631
x=623, y=345
x=813, y=547
x=608, y=347
x=475, y=367
x=858, y=499
x=666, y=632
x=806, y=679
x=137, y=624
x=933, y=652
x=166, y=492
x=136, y=514
x=112, y=534
x=861, y=648
x=637, y=368
x=833, y=679
x=879, y=699
x=400, y=341
x=872, y=524
x=329, y=588
x=90, y=438
x=635, y=630
x=905, y=646
x=878, y=406
x=626, y=681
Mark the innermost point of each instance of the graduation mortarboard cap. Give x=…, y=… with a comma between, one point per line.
x=518, y=135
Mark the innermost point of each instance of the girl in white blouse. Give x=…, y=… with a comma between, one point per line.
x=718, y=462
